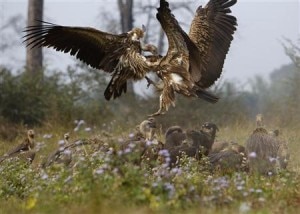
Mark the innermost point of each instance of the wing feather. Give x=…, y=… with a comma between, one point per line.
x=212, y=32
x=91, y=46
x=176, y=36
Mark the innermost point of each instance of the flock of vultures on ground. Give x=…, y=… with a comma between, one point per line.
x=192, y=63
x=264, y=151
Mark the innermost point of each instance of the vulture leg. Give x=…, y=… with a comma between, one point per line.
x=150, y=82
x=162, y=108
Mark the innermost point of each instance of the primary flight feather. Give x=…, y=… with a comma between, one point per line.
x=194, y=61
x=118, y=54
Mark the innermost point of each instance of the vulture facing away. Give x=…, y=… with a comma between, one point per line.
x=118, y=54
x=194, y=61
x=191, y=142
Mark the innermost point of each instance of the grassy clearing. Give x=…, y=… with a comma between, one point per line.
x=103, y=182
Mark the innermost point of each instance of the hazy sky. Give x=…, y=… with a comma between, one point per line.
x=256, y=48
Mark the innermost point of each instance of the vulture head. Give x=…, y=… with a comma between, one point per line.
x=274, y=133
x=30, y=134
x=30, y=140
x=136, y=34
x=209, y=128
x=66, y=138
x=147, y=128
x=259, y=120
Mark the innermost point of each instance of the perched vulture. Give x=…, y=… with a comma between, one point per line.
x=61, y=155
x=191, y=142
x=118, y=54
x=23, y=150
x=283, y=156
x=262, y=150
x=194, y=61
x=228, y=159
x=174, y=136
x=143, y=146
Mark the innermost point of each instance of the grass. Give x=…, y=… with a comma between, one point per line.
x=103, y=182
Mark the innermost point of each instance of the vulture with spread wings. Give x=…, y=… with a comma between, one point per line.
x=194, y=61
x=119, y=54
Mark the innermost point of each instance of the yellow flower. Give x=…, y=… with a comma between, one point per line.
x=31, y=202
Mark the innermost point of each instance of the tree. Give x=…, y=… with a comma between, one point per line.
x=126, y=14
x=34, y=56
x=126, y=21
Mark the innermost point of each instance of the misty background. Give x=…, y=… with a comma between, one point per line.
x=261, y=72
x=255, y=50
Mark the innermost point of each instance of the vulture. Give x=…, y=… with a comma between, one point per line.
x=193, y=61
x=262, y=150
x=117, y=54
x=61, y=155
x=68, y=152
x=228, y=157
x=23, y=150
x=267, y=151
x=283, y=156
x=191, y=142
x=143, y=146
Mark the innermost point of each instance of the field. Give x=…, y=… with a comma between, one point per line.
x=102, y=182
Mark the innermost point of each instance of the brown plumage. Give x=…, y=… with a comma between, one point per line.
x=191, y=143
x=229, y=159
x=208, y=132
x=61, y=155
x=144, y=144
x=194, y=61
x=262, y=151
x=219, y=146
x=24, y=151
x=283, y=156
x=119, y=54
x=174, y=136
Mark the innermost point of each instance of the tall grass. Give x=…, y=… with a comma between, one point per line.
x=103, y=182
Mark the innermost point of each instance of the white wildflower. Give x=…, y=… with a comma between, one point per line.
x=88, y=129
x=252, y=155
x=244, y=207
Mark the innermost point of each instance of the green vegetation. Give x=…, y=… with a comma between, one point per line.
x=102, y=182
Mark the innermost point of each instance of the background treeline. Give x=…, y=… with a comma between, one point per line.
x=39, y=96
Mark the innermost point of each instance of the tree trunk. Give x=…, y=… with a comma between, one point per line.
x=161, y=42
x=34, y=56
x=126, y=20
x=126, y=14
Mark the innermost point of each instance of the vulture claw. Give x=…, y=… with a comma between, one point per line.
x=149, y=82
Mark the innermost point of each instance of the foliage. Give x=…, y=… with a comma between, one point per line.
x=103, y=181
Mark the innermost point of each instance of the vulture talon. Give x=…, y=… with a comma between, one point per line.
x=149, y=82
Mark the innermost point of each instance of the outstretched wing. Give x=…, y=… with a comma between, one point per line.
x=96, y=48
x=176, y=36
x=212, y=32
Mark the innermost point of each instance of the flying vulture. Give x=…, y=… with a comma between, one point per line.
x=194, y=61
x=118, y=54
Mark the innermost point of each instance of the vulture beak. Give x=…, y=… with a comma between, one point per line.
x=144, y=28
